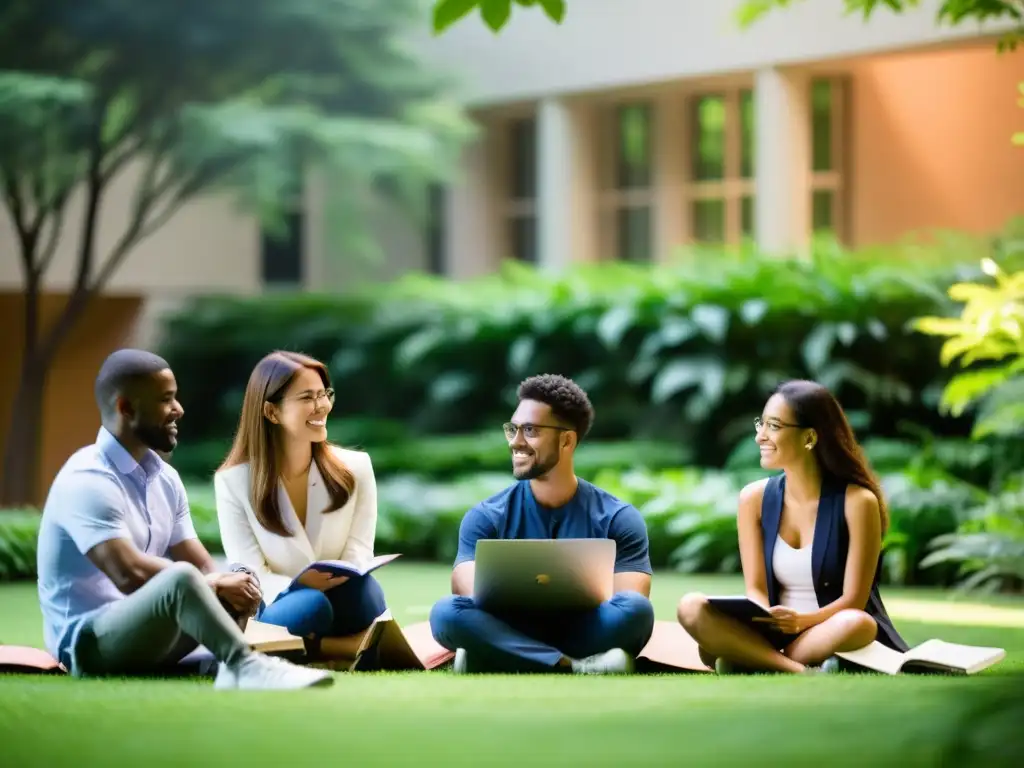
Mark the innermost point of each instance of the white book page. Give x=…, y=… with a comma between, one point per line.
x=969, y=658
x=876, y=656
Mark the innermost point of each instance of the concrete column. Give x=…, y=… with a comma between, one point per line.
x=471, y=215
x=782, y=220
x=555, y=207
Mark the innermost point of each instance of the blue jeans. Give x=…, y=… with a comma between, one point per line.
x=537, y=642
x=342, y=610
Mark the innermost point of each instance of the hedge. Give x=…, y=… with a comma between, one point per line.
x=690, y=514
x=685, y=353
x=443, y=457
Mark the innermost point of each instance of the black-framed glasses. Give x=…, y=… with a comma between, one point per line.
x=529, y=430
x=773, y=425
x=313, y=398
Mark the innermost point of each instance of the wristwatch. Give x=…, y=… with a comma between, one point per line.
x=239, y=568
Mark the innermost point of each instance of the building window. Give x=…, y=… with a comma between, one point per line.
x=282, y=252
x=436, y=231
x=827, y=177
x=282, y=247
x=627, y=200
x=720, y=192
x=520, y=214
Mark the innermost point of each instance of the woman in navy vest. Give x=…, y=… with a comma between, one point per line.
x=810, y=544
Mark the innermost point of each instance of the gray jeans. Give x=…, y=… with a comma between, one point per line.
x=152, y=629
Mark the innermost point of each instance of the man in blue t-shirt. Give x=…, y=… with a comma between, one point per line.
x=548, y=501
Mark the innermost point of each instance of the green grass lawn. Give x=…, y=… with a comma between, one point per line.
x=438, y=718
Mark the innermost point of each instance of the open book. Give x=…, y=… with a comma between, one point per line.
x=930, y=656
x=389, y=647
x=25, y=660
x=344, y=568
x=385, y=645
x=271, y=638
x=740, y=608
x=670, y=649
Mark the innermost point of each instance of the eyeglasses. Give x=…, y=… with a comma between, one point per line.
x=773, y=426
x=529, y=430
x=311, y=398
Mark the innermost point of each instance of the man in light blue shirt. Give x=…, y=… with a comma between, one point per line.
x=125, y=585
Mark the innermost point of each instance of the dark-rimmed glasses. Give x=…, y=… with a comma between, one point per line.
x=529, y=430
x=313, y=398
x=773, y=425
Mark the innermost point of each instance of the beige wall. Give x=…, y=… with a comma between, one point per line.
x=70, y=417
x=925, y=145
x=209, y=245
x=931, y=143
x=606, y=44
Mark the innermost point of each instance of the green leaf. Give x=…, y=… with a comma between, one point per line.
x=940, y=326
x=847, y=333
x=1006, y=420
x=965, y=388
x=713, y=320
x=877, y=329
x=955, y=347
x=521, y=354
x=495, y=12
x=555, y=9
x=447, y=12
x=982, y=295
x=450, y=387
x=818, y=346
x=614, y=324
x=753, y=310
x=678, y=375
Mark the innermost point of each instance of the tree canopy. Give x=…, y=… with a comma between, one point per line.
x=199, y=96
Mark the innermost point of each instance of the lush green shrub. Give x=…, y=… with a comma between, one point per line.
x=986, y=339
x=987, y=549
x=681, y=353
x=690, y=515
x=19, y=530
x=442, y=457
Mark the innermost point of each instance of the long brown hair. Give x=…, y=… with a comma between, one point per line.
x=257, y=440
x=839, y=455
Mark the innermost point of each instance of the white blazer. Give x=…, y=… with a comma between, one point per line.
x=342, y=534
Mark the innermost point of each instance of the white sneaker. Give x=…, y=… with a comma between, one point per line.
x=613, y=662
x=259, y=672
x=459, y=666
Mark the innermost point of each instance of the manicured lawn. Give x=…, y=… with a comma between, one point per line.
x=438, y=718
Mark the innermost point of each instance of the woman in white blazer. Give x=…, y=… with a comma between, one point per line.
x=286, y=497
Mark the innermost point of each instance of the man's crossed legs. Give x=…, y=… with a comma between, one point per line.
x=151, y=630
x=603, y=640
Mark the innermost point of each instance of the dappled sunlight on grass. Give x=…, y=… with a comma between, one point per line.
x=955, y=613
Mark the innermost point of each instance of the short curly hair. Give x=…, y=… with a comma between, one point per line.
x=568, y=402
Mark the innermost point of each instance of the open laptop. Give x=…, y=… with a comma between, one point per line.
x=543, y=574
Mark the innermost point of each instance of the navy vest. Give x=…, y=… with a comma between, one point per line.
x=828, y=553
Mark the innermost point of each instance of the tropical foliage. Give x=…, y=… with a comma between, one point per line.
x=685, y=353
x=986, y=343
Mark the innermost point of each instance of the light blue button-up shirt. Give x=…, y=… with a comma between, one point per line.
x=101, y=493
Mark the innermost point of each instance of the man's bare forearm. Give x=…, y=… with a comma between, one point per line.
x=462, y=579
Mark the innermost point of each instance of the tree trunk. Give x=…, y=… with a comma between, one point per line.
x=20, y=472
x=21, y=455
x=21, y=458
